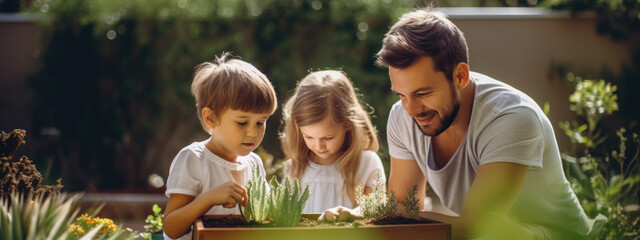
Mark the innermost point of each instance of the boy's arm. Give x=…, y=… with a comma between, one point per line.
x=183, y=209
x=178, y=217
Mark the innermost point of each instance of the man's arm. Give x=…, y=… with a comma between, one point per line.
x=402, y=176
x=492, y=193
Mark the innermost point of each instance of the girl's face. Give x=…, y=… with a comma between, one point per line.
x=325, y=140
x=235, y=133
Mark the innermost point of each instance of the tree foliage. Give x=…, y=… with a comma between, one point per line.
x=116, y=74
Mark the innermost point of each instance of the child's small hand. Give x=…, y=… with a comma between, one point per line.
x=228, y=195
x=340, y=214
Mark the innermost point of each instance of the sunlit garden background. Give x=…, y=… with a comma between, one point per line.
x=102, y=86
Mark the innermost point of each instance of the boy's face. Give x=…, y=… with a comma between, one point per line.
x=235, y=133
x=325, y=140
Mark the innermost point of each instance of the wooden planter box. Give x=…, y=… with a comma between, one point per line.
x=432, y=231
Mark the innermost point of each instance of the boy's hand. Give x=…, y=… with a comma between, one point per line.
x=228, y=195
x=340, y=214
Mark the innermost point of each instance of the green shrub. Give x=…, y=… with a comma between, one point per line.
x=115, y=74
x=154, y=222
x=604, y=181
x=20, y=175
x=29, y=217
x=379, y=204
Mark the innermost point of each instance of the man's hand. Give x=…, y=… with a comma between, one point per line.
x=340, y=214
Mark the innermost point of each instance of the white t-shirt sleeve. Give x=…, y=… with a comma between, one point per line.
x=371, y=167
x=185, y=174
x=516, y=136
x=398, y=133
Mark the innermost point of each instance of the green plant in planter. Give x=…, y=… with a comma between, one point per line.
x=411, y=203
x=604, y=181
x=154, y=224
x=282, y=201
x=257, y=208
x=286, y=202
x=379, y=205
x=35, y=217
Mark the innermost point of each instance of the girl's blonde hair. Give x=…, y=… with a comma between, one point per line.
x=319, y=95
x=229, y=83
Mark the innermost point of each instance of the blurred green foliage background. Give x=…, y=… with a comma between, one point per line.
x=115, y=75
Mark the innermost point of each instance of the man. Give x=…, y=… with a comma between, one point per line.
x=486, y=149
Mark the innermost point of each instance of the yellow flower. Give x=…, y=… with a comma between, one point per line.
x=82, y=217
x=75, y=229
x=84, y=223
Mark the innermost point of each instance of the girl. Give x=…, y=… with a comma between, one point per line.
x=234, y=101
x=329, y=141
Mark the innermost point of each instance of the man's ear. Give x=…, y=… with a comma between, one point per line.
x=209, y=118
x=461, y=75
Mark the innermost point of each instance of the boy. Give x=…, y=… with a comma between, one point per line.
x=234, y=101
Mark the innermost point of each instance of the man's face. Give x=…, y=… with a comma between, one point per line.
x=426, y=94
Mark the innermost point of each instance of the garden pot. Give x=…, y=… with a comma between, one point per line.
x=433, y=230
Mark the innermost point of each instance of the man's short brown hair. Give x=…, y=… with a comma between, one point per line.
x=424, y=33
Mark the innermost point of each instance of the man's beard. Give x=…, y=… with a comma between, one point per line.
x=431, y=130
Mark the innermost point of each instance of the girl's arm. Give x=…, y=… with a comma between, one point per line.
x=183, y=209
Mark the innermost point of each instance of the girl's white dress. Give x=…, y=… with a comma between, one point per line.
x=325, y=182
x=196, y=169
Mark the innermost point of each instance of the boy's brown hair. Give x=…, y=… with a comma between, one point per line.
x=230, y=83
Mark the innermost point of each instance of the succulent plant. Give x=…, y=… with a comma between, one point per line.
x=257, y=209
x=286, y=202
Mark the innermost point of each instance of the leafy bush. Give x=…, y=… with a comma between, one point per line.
x=618, y=19
x=20, y=176
x=604, y=181
x=155, y=221
x=115, y=74
x=411, y=203
x=379, y=205
x=29, y=210
x=29, y=217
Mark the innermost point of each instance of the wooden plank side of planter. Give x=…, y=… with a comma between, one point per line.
x=431, y=231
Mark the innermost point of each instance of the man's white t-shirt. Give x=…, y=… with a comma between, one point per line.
x=196, y=170
x=506, y=126
x=326, y=183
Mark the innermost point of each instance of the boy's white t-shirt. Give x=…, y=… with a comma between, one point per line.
x=506, y=126
x=325, y=182
x=196, y=169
